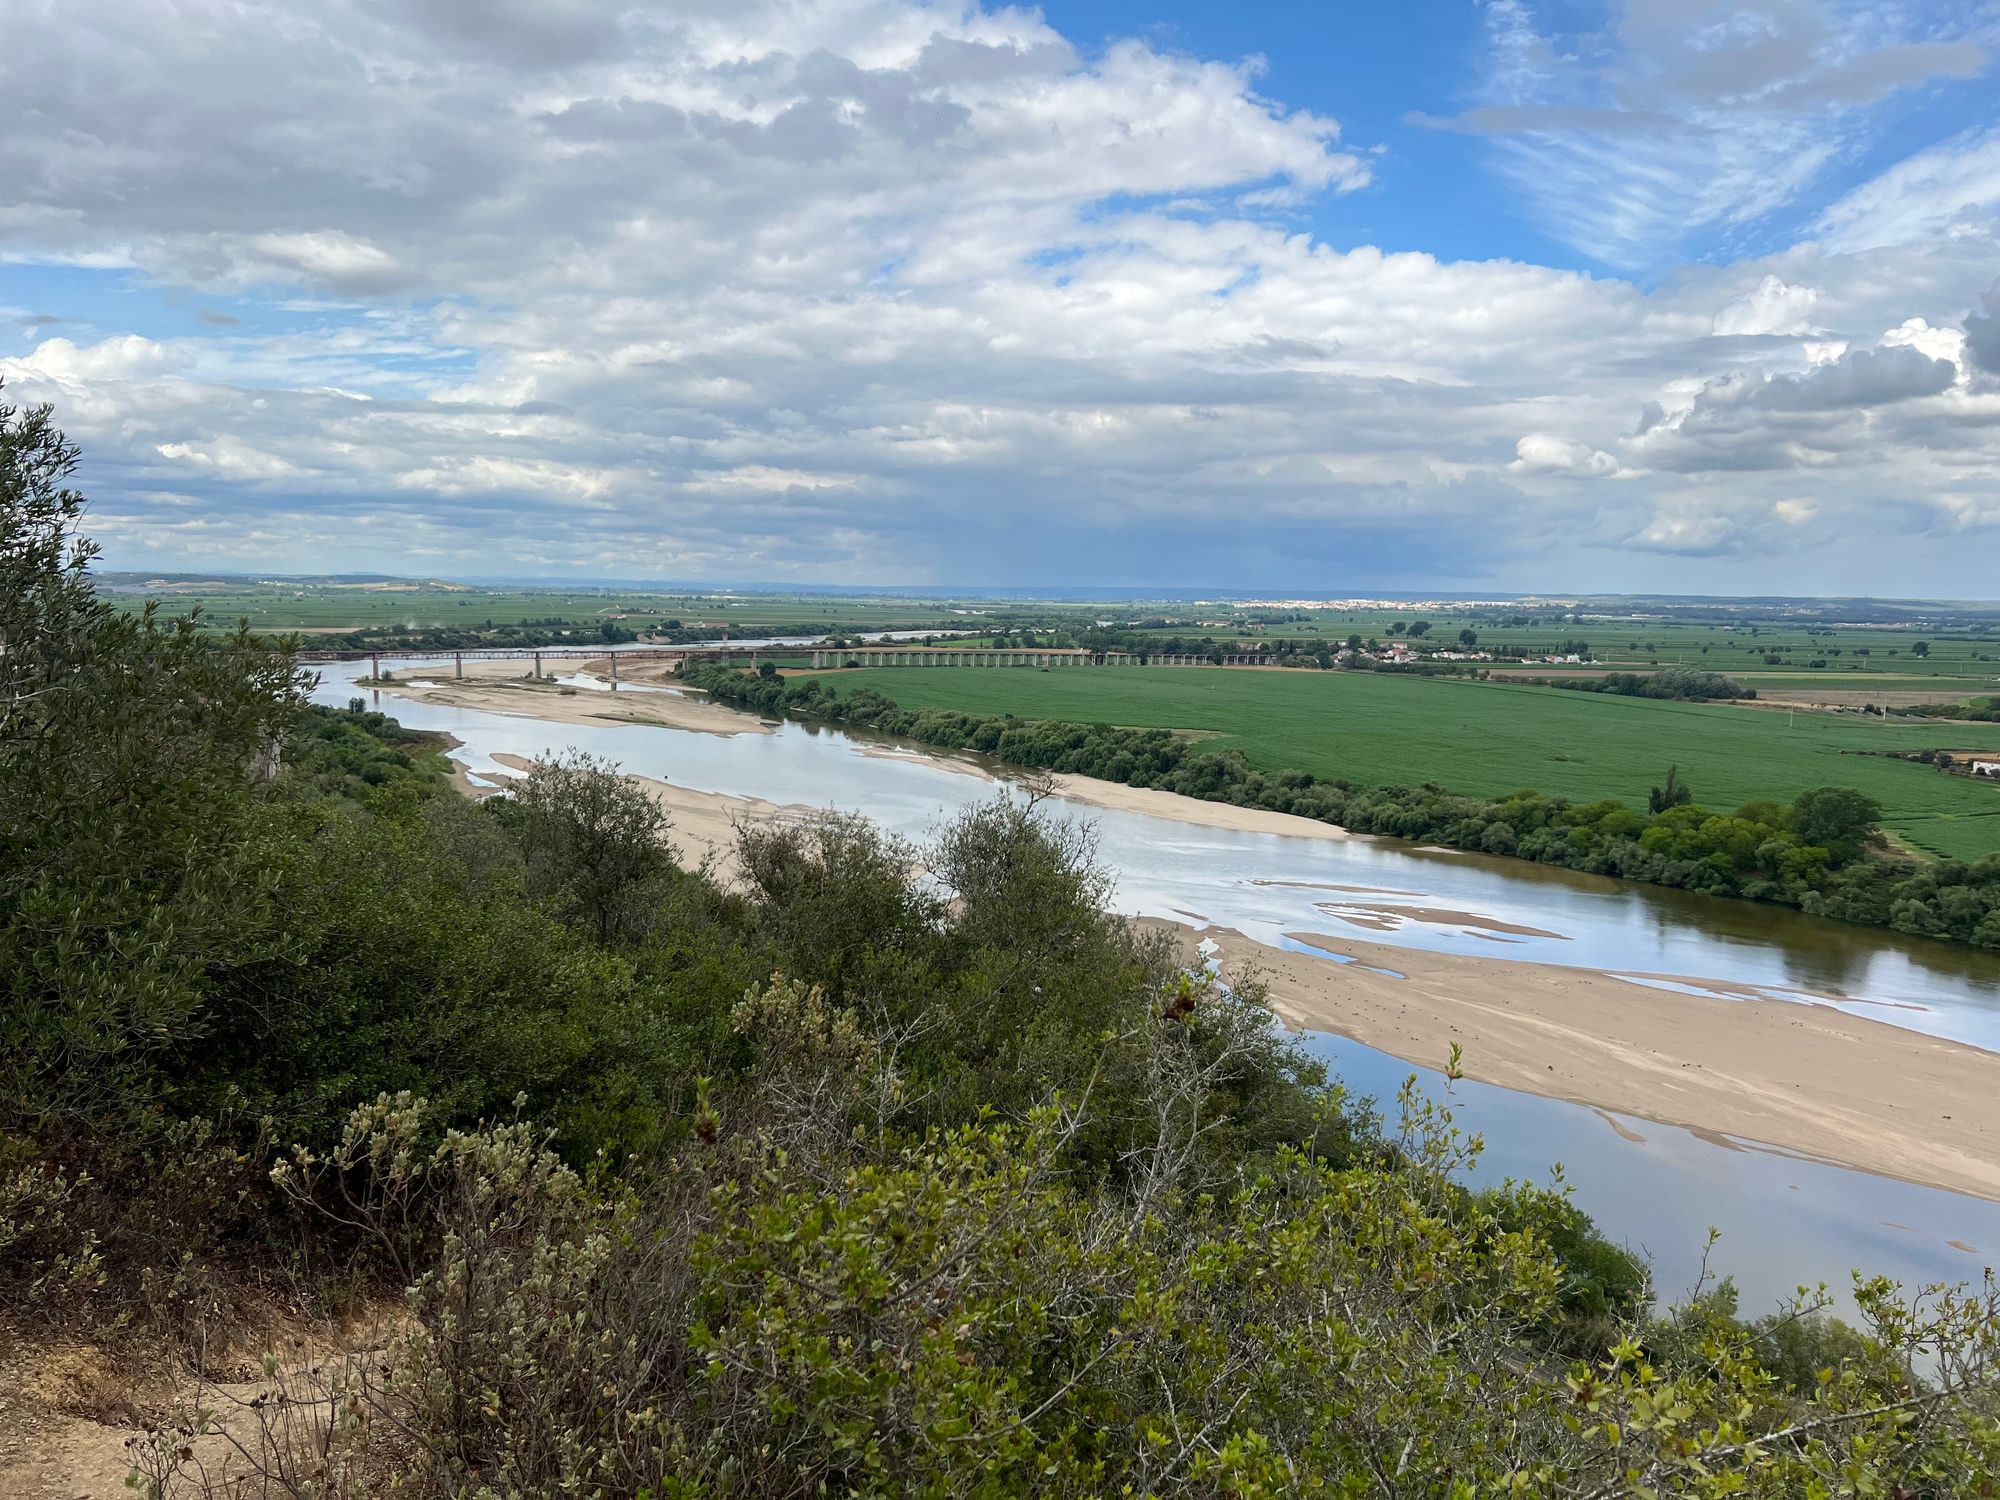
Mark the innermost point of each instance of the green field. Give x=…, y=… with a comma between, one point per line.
x=1489, y=738
x=1774, y=650
x=277, y=607
x=1738, y=649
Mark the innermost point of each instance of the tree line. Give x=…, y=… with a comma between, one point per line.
x=1687, y=684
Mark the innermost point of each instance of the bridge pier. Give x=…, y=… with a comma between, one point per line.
x=614, y=671
x=458, y=665
x=538, y=666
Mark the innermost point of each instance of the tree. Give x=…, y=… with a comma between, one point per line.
x=1838, y=818
x=1920, y=648
x=1419, y=628
x=134, y=759
x=1676, y=793
x=836, y=894
x=592, y=841
x=1468, y=638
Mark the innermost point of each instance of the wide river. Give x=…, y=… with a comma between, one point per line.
x=1784, y=1220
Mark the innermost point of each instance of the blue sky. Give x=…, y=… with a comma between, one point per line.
x=1381, y=69
x=1653, y=294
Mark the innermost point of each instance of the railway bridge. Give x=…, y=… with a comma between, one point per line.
x=822, y=657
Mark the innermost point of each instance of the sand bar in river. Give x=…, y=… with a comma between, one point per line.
x=503, y=687
x=1808, y=1078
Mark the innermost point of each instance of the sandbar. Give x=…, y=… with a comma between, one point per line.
x=1807, y=1078
x=503, y=687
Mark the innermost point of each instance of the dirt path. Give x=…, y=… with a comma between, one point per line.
x=76, y=1417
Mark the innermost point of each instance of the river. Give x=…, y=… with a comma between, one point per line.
x=1784, y=1220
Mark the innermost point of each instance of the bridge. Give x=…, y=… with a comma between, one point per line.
x=823, y=657
x=536, y=654
x=970, y=656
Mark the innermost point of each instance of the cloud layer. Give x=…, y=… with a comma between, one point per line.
x=832, y=289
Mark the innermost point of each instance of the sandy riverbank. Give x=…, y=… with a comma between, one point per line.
x=503, y=687
x=1807, y=1078
x=1146, y=799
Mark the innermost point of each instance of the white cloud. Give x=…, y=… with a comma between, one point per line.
x=1542, y=453
x=1675, y=123
x=1771, y=307
x=870, y=289
x=331, y=258
x=230, y=459
x=1690, y=533
x=120, y=358
x=772, y=481
x=1951, y=189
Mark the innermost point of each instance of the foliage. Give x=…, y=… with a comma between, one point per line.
x=1688, y=684
x=593, y=842
x=1977, y=710
x=360, y=753
x=796, y=1306
x=134, y=757
x=1676, y=793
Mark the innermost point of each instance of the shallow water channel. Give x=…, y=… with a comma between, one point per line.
x=1784, y=1220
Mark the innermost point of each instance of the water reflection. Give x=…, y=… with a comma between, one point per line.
x=1784, y=1220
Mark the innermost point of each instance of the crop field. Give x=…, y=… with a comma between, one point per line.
x=1490, y=738
x=274, y=608
x=1742, y=650
x=1792, y=657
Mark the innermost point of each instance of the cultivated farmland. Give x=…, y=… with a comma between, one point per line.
x=1490, y=738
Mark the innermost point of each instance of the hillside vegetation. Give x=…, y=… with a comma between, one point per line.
x=883, y=1171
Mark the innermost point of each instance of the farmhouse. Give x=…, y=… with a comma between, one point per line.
x=1986, y=768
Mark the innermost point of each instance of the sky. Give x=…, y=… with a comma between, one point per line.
x=1471, y=295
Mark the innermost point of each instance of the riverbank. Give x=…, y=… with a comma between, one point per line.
x=504, y=687
x=1805, y=1078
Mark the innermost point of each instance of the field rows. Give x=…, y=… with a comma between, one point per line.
x=1490, y=738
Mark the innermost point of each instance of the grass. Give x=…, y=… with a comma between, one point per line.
x=1721, y=646
x=1490, y=738
x=275, y=608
